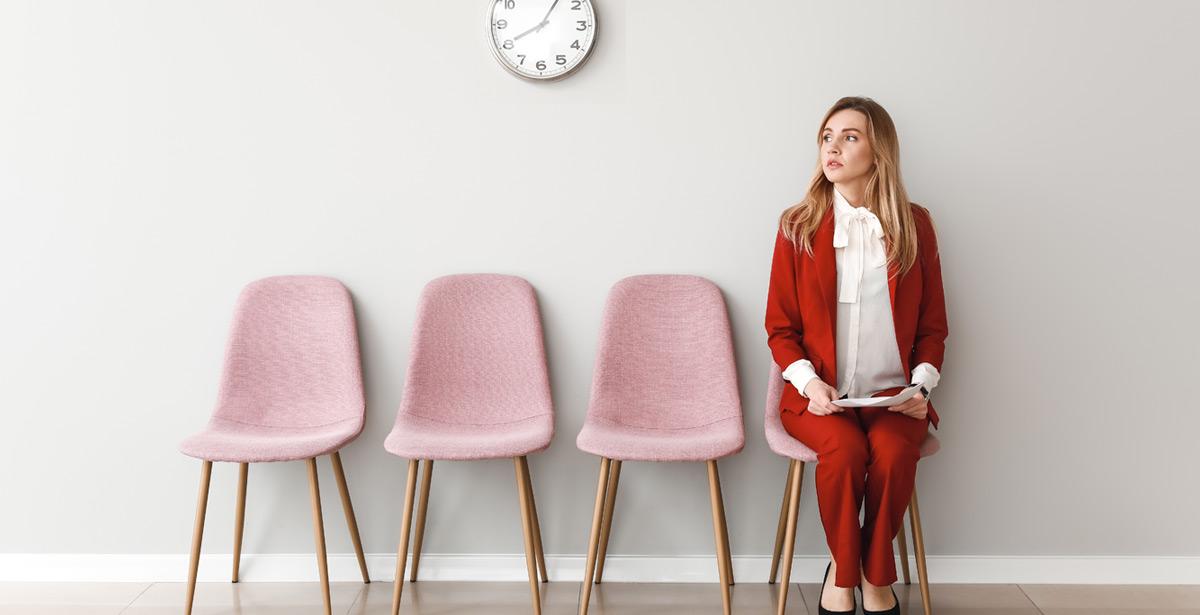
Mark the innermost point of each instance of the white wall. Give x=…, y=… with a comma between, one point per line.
x=156, y=156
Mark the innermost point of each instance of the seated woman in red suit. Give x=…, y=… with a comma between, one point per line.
x=855, y=309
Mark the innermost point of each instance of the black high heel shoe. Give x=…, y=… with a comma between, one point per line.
x=895, y=610
x=821, y=610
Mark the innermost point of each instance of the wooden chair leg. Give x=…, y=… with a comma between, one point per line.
x=714, y=492
x=422, y=508
x=903, y=541
x=610, y=503
x=789, y=538
x=239, y=518
x=919, y=547
x=589, y=567
x=783, y=510
x=725, y=535
x=405, y=522
x=339, y=474
x=198, y=534
x=527, y=529
x=537, y=527
x=319, y=534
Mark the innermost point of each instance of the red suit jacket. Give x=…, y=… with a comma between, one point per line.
x=802, y=307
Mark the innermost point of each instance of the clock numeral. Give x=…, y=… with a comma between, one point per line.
x=582, y=25
x=575, y=45
x=510, y=4
x=501, y=24
x=575, y=4
x=522, y=56
x=541, y=65
x=561, y=60
x=508, y=44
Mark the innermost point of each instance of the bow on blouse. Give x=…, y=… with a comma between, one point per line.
x=859, y=231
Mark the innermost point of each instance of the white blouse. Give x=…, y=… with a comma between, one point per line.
x=868, y=359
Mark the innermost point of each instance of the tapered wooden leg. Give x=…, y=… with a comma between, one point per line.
x=725, y=534
x=319, y=534
x=239, y=518
x=714, y=492
x=783, y=510
x=422, y=508
x=405, y=523
x=903, y=540
x=789, y=537
x=610, y=502
x=527, y=527
x=537, y=527
x=919, y=546
x=348, y=508
x=589, y=567
x=198, y=534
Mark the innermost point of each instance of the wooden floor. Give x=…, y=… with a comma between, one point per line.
x=448, y=598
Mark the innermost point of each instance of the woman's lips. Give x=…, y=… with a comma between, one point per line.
x=834, y=165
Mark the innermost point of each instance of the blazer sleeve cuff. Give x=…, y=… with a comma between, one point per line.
x=926, y=375
x=799, y=374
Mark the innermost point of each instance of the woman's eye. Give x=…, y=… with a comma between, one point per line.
x=852, y=137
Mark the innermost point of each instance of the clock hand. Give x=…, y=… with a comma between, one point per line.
x=551, y=10
x=537, y=27
x=545, y=20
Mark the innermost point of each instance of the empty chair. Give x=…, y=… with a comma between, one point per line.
x=664, y=389
x=291, y=389
x=782, y=443
x=476, y=388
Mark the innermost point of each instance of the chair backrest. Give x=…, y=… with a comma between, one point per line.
x=477, y=354
x=665, y=358
x=292, y=358
x=778, y=439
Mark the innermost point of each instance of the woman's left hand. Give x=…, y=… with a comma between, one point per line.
x=916, y=407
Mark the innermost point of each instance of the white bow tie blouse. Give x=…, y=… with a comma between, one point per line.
x=868, y=359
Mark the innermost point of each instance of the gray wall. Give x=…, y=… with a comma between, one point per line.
x=156, y=156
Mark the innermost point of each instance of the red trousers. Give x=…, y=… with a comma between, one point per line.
x=869, y=452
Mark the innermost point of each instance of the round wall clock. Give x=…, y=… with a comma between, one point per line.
x=542, y=39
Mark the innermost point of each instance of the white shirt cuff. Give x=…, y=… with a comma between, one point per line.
x=926, y=375
x=799, y=374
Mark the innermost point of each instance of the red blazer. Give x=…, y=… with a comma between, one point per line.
x=802, y=307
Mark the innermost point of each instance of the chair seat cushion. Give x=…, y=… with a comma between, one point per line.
x=624, y=442
x=226, y=440
x=417, y=437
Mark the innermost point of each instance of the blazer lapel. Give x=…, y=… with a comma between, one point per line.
x=826, y=259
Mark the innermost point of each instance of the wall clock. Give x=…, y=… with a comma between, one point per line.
x=542, y=40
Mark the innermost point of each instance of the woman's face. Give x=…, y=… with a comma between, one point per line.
x=846, y=154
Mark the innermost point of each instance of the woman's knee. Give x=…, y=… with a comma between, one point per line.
x=892, y=449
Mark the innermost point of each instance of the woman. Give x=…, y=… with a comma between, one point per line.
x=855, y=309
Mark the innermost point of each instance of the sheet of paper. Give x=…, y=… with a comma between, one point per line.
x=878, y=402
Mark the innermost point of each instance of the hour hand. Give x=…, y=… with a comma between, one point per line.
x=537, y=27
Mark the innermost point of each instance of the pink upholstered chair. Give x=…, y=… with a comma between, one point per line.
x=782, y=443
x=664, y=389
x=476, y=388
x=291, y=389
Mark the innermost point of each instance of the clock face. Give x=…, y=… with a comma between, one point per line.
x=542, y=39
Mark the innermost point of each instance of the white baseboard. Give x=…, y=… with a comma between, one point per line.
x=676, y=569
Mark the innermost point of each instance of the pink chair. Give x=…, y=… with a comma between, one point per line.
x=664, y=389
x=291, y=389
x=782, y=443
x=476, y=388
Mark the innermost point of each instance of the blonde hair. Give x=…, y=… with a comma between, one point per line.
x=885, y=195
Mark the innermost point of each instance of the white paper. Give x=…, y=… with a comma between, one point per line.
x=877, y=402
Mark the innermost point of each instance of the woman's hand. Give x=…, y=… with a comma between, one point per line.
x=820, y=397
x=916, y=407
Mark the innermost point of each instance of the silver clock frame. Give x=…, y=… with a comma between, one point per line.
x=504, y=62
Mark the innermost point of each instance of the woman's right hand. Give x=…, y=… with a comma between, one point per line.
x=820, y=397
